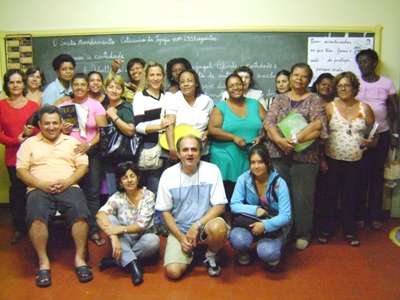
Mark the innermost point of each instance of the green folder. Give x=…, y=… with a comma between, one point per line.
x=292, y=124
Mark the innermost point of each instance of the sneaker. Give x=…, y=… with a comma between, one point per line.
x=213, y=269
x=243, y=259
x=301, y=244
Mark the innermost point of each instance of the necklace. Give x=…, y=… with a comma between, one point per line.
x=347, y=108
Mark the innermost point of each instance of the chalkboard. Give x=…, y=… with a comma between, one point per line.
x=214, y=55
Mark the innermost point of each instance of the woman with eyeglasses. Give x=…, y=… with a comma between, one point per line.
x=92, y=115
x=348, y=120
x=298, y=169
x=189, y=106
x=233, y=127
x=34, y=81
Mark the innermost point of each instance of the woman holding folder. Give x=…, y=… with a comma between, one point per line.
x=298, y=169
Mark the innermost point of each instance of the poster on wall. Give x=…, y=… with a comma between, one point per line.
x=335, y=54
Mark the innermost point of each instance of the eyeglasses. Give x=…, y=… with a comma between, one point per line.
x=238, y=85
x=189, y=81
x=343, y=86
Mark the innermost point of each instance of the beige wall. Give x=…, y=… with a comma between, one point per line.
x=26, y=16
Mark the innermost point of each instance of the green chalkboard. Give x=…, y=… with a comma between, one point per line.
x=214, y=55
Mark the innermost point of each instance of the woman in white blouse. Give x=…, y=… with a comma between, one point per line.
x=189, y=107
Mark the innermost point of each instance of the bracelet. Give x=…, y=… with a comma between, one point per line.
x=116, y=119
x=125, y=231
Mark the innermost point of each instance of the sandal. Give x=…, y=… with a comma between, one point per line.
x=98, y=241
x=352, y=240
x=377, y=225
x=84, y=273
x=360, y=224
x=324, y=238
x=43, y=278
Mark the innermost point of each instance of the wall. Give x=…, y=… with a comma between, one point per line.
x=154, y=15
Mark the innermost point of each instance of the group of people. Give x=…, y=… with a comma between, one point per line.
x=238, y=157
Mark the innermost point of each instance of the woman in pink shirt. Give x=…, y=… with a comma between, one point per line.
x=92, y=115
x=380, y=93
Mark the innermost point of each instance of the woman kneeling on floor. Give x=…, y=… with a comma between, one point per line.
x=260, y=194
x=125, y=218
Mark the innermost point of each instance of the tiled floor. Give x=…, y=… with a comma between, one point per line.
x=333, y=271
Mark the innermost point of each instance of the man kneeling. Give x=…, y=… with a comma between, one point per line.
x=191, y=197
x=50, y=167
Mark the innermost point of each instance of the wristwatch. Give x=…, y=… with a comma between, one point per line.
x=90, y=145
x=294, y=139
x=201, y=225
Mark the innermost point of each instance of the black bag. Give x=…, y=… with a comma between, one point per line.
x=244, y=220
x=116, y=146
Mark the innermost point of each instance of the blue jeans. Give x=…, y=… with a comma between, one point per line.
x=90, y=184
x=138, y=247
x=268, y=250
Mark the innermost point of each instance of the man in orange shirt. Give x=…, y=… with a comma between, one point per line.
x=51, y=168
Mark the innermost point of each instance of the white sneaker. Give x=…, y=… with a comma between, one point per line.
x=301, y=244
x=213, y=269
x=243, y=259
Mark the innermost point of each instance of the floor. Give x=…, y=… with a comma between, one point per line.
x=333, y=271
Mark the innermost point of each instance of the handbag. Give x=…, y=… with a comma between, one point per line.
x=244, y=221
x=150, y=159
x=392, y=166
x=114, y=145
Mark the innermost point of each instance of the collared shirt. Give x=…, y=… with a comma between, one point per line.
x=53, y=92
x=49, y=161
x=189, y=197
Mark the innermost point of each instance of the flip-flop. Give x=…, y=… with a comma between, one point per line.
x=43, y=274
x=324, y=238
x=82, y=271
x=98, y=242
x=352, y=240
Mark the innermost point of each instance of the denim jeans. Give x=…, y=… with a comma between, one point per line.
x=90, y=184
x=268, y=250
x=17, y=198
x=138, y=247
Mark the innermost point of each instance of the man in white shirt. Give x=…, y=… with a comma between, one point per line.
x=191, y=197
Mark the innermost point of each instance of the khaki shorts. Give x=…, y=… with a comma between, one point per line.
x=174, y=253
